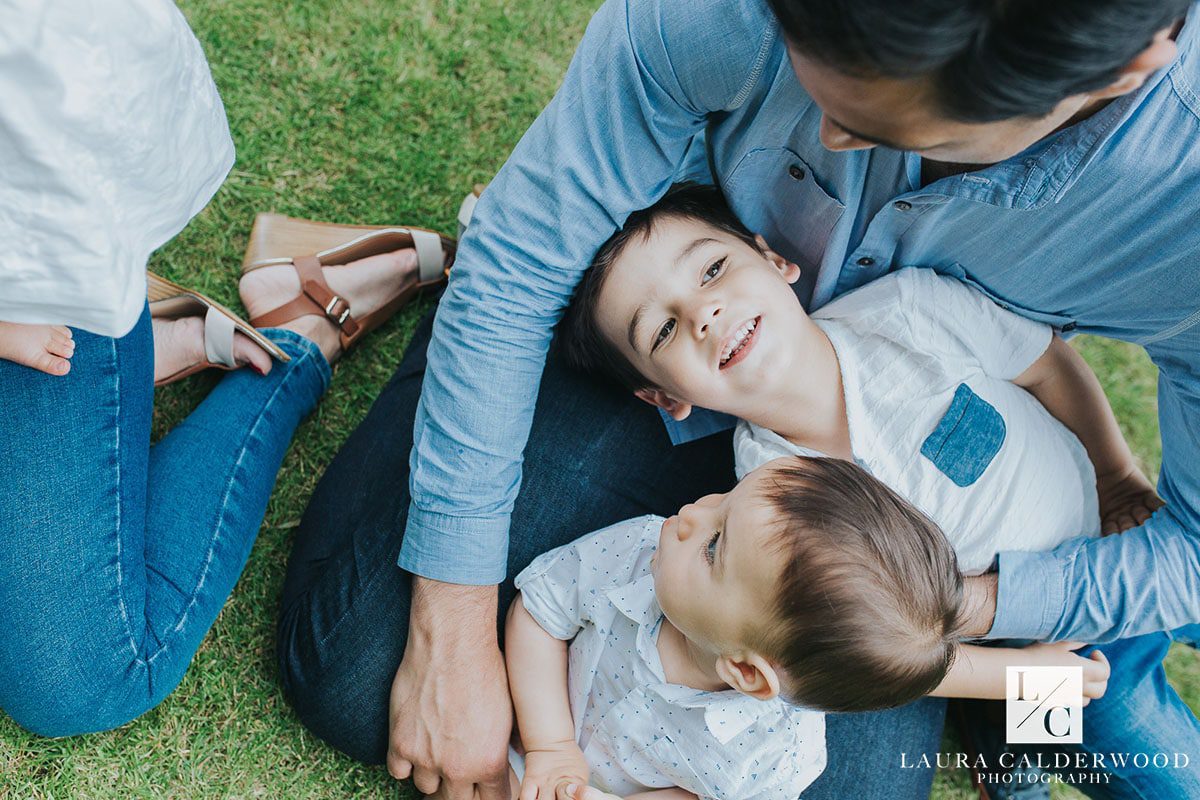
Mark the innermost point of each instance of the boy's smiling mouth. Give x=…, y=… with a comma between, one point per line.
x=738, y=343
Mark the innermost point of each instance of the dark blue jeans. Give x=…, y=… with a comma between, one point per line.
x=596, y=455
x=115, y=555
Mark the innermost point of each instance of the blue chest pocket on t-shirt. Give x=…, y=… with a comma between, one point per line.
x=967, y=439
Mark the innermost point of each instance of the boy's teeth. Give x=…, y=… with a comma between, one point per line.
x=739, y=339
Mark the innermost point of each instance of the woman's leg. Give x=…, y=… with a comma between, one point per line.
x=115, y=557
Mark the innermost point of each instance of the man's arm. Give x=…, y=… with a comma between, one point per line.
x=639, y=88
x=1147, y=579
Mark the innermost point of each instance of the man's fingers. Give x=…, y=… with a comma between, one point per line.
x=529, y=791
x=496, y=789
x=427, y=781
x=400, y=768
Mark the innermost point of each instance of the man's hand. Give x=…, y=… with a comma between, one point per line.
x=550, y=767
x=1127, y=499
x=450, y=714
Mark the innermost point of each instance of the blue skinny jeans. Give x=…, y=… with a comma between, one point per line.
x=116, y=555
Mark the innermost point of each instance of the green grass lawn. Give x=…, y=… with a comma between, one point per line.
x=362, y=111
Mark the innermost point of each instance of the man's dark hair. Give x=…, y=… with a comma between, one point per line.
x=580, y=341
x=988, y=60
x=868, y=611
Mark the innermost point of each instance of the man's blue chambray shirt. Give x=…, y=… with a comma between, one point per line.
x=1095, y=229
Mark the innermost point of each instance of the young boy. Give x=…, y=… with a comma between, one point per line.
x=984, y=420
x=704, y=647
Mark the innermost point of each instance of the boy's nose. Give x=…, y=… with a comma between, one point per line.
x=683, y=524
x=705, y=316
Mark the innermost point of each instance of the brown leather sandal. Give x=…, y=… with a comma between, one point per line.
x=308, y=246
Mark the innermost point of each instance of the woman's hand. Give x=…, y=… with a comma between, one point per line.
x=1062, y=654
x=550, y=768
x=1127, y=500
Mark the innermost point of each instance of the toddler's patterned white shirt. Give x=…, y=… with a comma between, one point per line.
x=637, y=731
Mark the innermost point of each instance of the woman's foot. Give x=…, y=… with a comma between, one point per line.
x=179, y=344
x=44, y=347
x=367, y=284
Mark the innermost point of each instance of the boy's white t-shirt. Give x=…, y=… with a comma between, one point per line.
x=113, y=136
x=636, y=730
x=927, y=367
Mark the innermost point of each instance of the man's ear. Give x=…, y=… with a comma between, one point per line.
x=1161, y=52
x=789, y=271
x=750, y=674
x=678, y=409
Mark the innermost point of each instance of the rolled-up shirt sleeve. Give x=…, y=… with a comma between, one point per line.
x=1145, y=579
x=636, y=94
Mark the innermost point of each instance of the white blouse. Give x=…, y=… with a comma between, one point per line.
x=112, y=137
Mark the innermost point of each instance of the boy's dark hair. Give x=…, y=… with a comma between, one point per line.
x=580, y=341
x=988, y=60
x=868, y=611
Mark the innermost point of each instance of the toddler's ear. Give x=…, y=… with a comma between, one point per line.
x=678, y=409
x=790, y=271
x=750, y=674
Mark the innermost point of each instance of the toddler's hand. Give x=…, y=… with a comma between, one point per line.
x=549, y=767
x=1126, y=501
x=1062, y=654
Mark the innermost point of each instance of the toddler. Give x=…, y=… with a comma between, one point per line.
x=704, y=647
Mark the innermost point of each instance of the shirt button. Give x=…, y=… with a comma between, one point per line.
x=866, y=261
x=796, y=172
x=902, y=205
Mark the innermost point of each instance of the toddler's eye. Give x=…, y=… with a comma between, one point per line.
x=713, y=271
x=710, y=549
x=664, y=332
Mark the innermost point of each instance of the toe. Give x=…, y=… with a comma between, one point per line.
x=245, y=351
x=52, y=364
x=59, y=347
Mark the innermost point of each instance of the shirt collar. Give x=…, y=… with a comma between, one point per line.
x=726, y=713
x=1046, y=170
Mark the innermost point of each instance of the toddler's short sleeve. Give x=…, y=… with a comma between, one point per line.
x=560, y=588
x=950, y=319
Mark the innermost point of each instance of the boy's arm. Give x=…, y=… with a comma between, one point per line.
x=537, y=678
x=1062, y=381
x=980, y=672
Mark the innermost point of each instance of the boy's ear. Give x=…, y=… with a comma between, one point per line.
x=750, y=674
x=790, y=272
x=678, y=409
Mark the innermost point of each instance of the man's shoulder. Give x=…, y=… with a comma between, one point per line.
x=715, y=49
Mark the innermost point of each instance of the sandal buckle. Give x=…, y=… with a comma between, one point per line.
x=332, y=314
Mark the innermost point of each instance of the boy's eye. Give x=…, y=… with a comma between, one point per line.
x=663, y=333
x=710, y=549
x=714, y=269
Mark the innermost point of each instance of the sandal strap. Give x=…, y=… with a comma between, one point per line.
x=431, y=261
x=218, y=338
x=315, y=298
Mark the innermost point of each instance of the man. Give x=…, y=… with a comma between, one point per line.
x=1043, y=152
